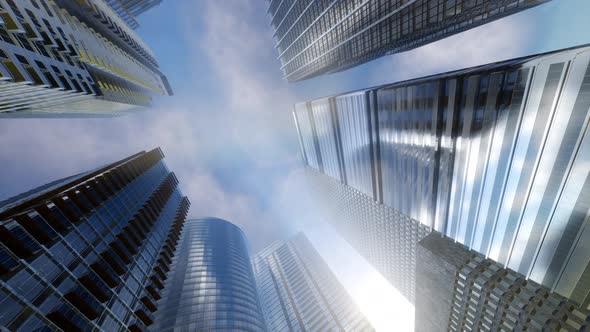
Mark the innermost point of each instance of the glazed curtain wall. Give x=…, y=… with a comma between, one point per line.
x=494, y=157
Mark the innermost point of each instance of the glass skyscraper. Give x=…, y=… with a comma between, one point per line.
x=298, y=291
x=73, y=58
x=315, y=37
x=494, y=157
x=92, y=251
x=211, y=287
x=128, y=10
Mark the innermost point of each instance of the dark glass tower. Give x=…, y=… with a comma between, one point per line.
x=315, y=37
x=128, y=10
x=212, y=286
x=298, y=291
x=493, y=157
x=90, y=252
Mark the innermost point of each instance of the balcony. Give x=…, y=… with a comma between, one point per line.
x=92, y=196
x=137, y=326
x=163, y=264
x=84, y=302
x=7, y=263
x=106, y=273
x=37, y=228
x=145, y=315
x=15, y=238
x=100, y=190
x=67, y=319
x=53, y=218
x=149, y=302
x=114, y=261
x=121, y=251
x=127, y=242
x=81, y=202
x=153, y=292
x=96, y=286
x=72, y=214
x=157, y=282
x=160, y=273
x=130, y=233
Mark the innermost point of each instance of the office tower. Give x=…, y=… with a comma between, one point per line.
x=72, y=58
x=494, y=157
x=90, y=252
x=460, y=290
x=298, y=291
x=211, y=285
x=128, y=10
x=315, y=37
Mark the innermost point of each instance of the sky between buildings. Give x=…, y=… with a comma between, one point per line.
x=228, y=132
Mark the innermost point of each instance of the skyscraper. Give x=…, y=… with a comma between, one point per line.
x=72, y=58
x=315, y=37
x=493, y=157
x=90, y=252
x=298, y=291
x=212, y=286
x=128, y=10
x=460, y=290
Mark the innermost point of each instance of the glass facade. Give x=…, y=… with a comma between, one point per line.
x=298, y=291
x=494, y=157
x=212, y=285
x=73, y=58
x=91, y=252
x=128, y=10
x=315, y=37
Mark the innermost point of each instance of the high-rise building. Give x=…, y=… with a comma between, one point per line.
x=460, y=290
x=90, y=252
x=72, y=58
x=315, y=37
x=494, y=157
x=211, y=285
x=128, y=10
x=298, y=291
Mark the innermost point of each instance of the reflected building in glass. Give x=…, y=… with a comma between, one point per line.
x=90, y=252
x=68, y=58
x=493, y=157
x=298, y=291
x=315, y=37
x=211, y=285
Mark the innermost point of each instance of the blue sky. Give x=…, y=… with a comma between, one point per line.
x=228, y=132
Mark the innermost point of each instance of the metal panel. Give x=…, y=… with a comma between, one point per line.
x=352, y=110
x=324, y=125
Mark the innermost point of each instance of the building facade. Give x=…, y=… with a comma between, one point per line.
x=72, y=58
x=494, y=157
x=128, y=10
x=315, y=37
x=212, y=285
x=460, y=290
x=298, y=291
x=90, y=252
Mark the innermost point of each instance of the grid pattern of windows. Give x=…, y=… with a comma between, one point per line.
x=487, y=297
x=62, y=57
x=298, y=292
x=494, y=157
x=212, y=285
x=91, y=253
x=128, y=10
x=314, y=37
x=382, y=235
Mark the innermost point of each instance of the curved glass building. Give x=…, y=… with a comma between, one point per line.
x=212, y=285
